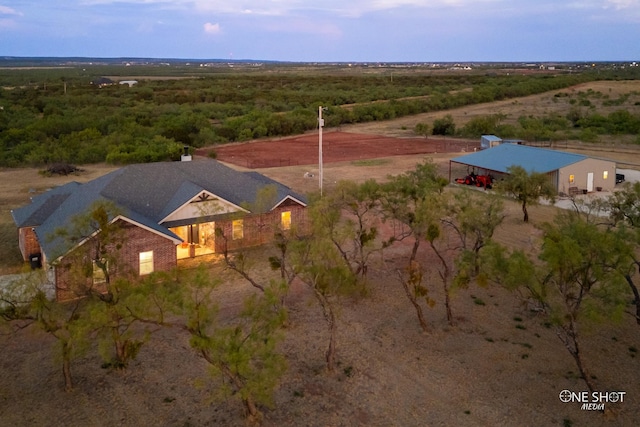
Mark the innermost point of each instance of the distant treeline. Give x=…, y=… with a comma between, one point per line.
x=50, y=116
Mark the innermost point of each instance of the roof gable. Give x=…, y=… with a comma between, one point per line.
x=203, y=204
x=532, y=159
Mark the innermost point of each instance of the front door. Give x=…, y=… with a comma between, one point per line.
x=589, y=182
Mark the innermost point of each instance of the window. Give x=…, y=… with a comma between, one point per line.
x=98, y=273
x=285, y=220
x=146, y=263
x=237, y=231
x=605, y=174
x=572, y=178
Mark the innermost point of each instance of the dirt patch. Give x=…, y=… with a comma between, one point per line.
x=499, y=365
x=336, y=147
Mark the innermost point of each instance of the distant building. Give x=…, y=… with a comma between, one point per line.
x=570, y=173
x=128, y=82
x=102, y=82
x=488, y=141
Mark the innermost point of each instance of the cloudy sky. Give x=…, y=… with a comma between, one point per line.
x=325, y=30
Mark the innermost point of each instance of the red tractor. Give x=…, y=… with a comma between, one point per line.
x=484, y=181
x=477, y=180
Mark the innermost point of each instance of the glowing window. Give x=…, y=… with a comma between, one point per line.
x=572, y=178
x=605, y=174
x=98, y=273
x=237, y=229
x=285, y=220
x=146, y=263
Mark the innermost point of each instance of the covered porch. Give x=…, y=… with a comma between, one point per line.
x=198, y=239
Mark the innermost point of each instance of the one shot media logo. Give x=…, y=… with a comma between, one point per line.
x=594, y=401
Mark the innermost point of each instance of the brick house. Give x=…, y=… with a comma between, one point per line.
x=167, y=212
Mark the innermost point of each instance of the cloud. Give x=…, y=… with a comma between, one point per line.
x=5, y=10
x=622, y=4
x=210, y=28
x=294, y=7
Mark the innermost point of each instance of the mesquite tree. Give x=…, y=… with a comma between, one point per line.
x=579, y=278
x=26, y=300
x=349, y=216
x=120, y=311
x=317, y=263
x=624, y=209
x=243, y=352
x=126, y=315
x=413, y=200
x=527, y=187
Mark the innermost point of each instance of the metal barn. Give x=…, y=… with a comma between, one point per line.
x=570, y=173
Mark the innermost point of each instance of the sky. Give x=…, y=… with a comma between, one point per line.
x=325, y=30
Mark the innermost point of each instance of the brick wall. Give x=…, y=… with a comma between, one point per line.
x=259, y=229
x=72, y=282
x=141, y=240
x=28, y=242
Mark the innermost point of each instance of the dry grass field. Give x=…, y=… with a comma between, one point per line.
x=500, y=365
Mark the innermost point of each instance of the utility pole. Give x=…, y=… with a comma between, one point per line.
x=320, y=126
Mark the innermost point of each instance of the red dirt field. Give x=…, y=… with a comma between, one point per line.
x=336, y=147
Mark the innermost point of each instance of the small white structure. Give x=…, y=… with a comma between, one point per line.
x=488, y=141
x=129, y=82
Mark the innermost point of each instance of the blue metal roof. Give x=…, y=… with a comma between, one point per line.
x=532, y=159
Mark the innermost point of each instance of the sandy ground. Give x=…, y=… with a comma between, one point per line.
x=499, y=365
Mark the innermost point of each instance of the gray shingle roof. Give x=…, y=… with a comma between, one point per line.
x=145, y=193
x=42, y=206
x=532, y=159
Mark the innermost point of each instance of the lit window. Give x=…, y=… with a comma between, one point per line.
x=605, y=174
x=146, y=263
x=98, y=273
x=285, y=220
x=571, y=179
x=237, y=229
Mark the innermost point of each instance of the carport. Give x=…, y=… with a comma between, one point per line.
x=569, y=172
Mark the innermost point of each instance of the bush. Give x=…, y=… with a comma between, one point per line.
x=444, y=126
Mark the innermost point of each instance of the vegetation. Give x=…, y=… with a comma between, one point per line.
x=61, y=117
x=243, y=354
x=579, y=279
x=526, y=187
x=27, y=301
x=582, y=272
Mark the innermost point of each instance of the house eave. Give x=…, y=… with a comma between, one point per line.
x=168, y=235
x=289, y=197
